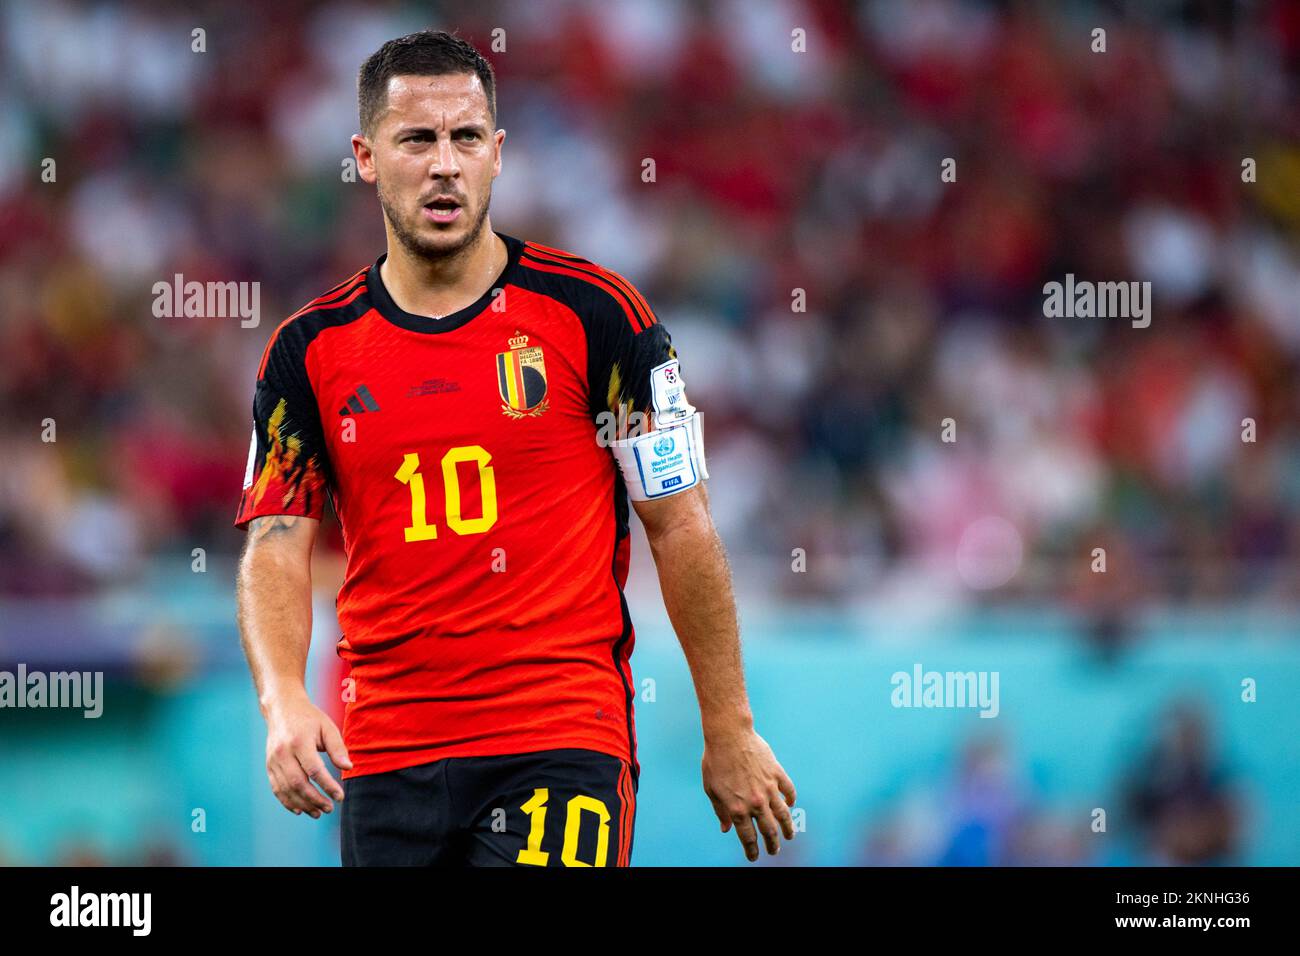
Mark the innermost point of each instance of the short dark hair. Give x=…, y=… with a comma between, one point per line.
x=427, y=53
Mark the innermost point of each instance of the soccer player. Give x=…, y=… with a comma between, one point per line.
x=480, y=410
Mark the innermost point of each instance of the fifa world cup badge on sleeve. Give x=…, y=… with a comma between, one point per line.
x=668, y=394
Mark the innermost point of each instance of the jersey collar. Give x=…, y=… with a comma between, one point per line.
x=385, y=306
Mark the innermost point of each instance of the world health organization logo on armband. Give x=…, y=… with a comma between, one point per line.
x=521, y=379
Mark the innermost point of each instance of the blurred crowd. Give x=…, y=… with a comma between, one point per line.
x=1178, y=803
x=833, y=298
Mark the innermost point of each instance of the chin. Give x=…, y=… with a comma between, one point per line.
x=443, y=235
x=434, y=244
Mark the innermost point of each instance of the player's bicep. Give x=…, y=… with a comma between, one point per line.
x=290, y=536
x=277, y=545
x=686, y=511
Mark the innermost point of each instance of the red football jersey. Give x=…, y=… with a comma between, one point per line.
x=485, y=527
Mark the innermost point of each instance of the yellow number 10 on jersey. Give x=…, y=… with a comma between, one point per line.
x=409, y=474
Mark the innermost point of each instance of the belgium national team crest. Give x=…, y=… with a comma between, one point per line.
x=521, y=379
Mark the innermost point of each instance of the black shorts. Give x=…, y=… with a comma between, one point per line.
x=551, y=808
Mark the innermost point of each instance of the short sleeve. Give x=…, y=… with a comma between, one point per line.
x=636, y=377
x=287, y=470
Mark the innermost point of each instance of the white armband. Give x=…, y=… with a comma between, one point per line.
x=662, y=462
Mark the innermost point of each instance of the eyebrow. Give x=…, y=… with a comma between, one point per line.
x=431, y=132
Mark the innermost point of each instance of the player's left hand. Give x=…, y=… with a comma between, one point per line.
x=746, y=784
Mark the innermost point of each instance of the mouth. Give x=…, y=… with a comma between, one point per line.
x=442, y=210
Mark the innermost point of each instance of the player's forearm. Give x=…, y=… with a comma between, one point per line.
x=274, y=599
x=696, y=583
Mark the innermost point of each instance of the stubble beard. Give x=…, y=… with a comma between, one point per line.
x=421, y=247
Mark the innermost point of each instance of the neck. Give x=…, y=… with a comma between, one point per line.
x=438, y=287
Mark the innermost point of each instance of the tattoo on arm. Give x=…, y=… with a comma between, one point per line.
x=261, y=528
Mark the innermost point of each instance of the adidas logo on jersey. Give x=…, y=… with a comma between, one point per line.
x=360, y=401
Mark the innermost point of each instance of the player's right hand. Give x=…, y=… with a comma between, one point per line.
x=297, y=731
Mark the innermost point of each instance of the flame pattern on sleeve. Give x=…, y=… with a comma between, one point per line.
x=290, y=473
x=630, y=392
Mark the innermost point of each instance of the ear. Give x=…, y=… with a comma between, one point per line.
x=499, y=138
x=365, y=158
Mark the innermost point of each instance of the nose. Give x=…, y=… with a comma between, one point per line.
x=444, y=161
